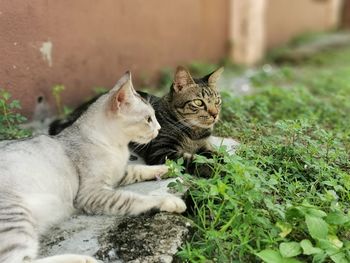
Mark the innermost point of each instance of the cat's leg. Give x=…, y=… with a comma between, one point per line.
x=140, y=172
x=105, y=200
x=204, y=170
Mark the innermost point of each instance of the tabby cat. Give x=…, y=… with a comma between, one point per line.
x=186, y=114
x=46, y=179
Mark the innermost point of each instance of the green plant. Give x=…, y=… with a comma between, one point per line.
x=284, y=196
x=10, y=118
x=62, y=110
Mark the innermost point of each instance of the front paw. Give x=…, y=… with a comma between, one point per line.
x=160, y=171
x=173, y=204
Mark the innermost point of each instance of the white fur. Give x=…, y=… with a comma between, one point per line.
x=53, y=176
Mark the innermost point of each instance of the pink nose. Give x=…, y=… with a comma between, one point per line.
x=213, y=113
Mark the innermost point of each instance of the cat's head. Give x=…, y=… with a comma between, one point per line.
x=196, y=102
x=131, y=114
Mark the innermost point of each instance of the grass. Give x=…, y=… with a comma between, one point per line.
x=284, y=196
x=10, y=119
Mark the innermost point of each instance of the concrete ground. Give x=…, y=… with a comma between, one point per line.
x=147, y=238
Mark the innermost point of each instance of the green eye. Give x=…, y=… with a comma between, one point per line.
x=198, y=103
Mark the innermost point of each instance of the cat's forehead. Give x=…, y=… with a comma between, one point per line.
x=204, y=91
x=143, y=106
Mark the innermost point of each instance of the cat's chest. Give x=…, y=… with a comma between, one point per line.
x=191, y=146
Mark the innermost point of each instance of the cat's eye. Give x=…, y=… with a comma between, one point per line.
x=218, y=101
x=149, y=119
x=198, y=103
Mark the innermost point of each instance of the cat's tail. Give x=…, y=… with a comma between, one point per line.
x=18, y=235
x=59, y=125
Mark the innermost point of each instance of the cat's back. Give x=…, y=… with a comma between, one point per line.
x=36, y=147
x=33, y=162
x=37, y=174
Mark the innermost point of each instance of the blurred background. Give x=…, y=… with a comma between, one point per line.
x=84, y=46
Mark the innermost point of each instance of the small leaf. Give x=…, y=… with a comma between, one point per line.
x=213, y=190
x=290, y=249
x=335, y=241
x=285, y=228
x=317, y=227
x=308, y=248
x=294, y=212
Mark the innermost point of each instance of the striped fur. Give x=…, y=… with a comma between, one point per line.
x=185, y=127
x=46, y=179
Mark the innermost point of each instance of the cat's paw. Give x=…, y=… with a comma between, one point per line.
x=160, y=171
x=173, y=204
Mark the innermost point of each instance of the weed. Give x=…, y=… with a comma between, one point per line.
x=284, y=195
x=62, y=110
x=10, y=118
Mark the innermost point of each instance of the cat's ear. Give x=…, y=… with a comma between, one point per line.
x=182, y=79
x=214, y=76
x=122, y=93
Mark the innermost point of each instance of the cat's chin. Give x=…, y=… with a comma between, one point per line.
x=143, y=140
x=202, y=125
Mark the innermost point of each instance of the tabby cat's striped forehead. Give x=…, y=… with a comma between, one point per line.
x=198, y=90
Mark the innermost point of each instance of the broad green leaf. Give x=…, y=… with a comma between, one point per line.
x=339, y=258
x=272, y=256
x=319, y=258
x=315, y=212
x=328, y=246
x=317, y=227
x=337, y=218
x=308, y=248
x=290, y=249
x=285, y=228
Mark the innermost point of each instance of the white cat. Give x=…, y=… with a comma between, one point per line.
x=46, y=179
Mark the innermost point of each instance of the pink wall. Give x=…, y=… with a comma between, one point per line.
x=286, y=19
x=94, y=42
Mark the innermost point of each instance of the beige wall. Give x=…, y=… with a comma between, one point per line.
x=286, y=19
x=94, y=42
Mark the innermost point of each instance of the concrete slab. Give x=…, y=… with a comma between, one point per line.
x=147, y=238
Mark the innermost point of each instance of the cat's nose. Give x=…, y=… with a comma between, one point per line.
x=214, y=114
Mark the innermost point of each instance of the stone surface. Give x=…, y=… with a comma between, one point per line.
x=146, y=238
x=143, y=239
x=154, y=238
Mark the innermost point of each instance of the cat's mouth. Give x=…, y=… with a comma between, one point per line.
x=204, y=122
x=147, y=138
